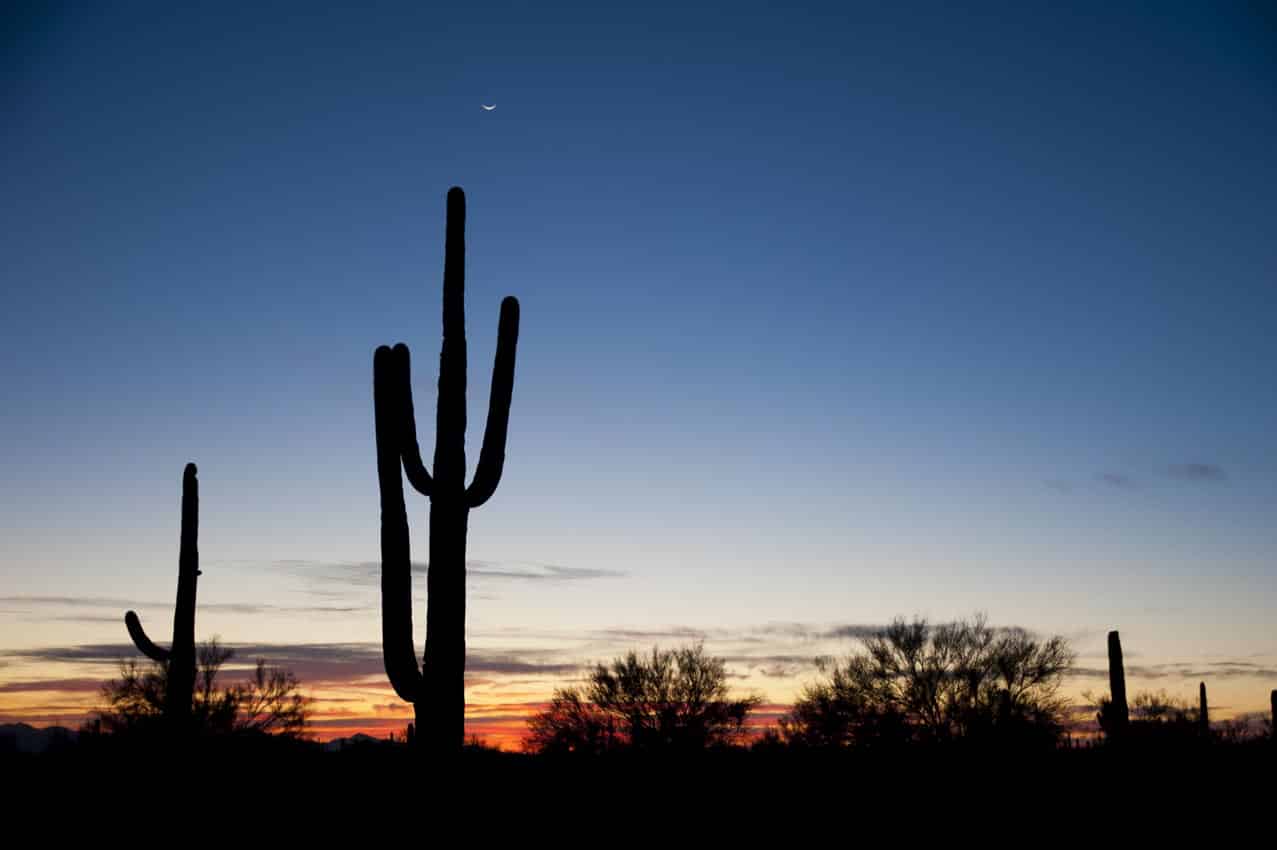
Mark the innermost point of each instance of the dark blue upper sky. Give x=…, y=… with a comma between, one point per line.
x=960, y=306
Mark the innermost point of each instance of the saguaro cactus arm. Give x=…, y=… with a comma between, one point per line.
x=487, y=474
x=144, y=644
x=400, y=366
x=396, y=567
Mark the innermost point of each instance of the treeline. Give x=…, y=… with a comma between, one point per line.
x=911, y=685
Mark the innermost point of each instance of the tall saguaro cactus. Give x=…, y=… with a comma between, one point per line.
x=179, y=658
x=1203, y=712
x=436, y=689
x=1119, y=717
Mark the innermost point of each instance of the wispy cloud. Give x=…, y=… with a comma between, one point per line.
x=317, y=664
x=1201, y=472
x=81, y=685
x=676, y=633
x=538, y=572
x=782, y=671
x=1197, y=472
x=1115, y=479
x=512, y=664
x=67, y=601
x=1185, y=670
x=797, y=660
x=368, y=573
x=30, y=604
x=853, y=630
x=74, y=618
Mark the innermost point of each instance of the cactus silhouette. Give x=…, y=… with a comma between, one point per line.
x=179, y=658
x=1119, y=716
x=436, y=690
x=1203, y=713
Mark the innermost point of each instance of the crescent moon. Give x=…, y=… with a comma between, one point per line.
x=487, y=108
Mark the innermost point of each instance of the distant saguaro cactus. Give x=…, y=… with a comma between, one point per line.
x=180, y=657
x=1203, y=713
x=437, y=689
x=1119, y=716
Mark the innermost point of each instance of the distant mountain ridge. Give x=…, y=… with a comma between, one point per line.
x=359, y=739
x=24, y=738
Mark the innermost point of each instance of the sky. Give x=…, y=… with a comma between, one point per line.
x=831, y=313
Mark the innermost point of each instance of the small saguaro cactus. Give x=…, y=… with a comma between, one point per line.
x=437, y=689
x=179, y=658
x=1203, y=713
x=1119, y=716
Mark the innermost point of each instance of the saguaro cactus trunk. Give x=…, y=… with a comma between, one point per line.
x=1119, y=717
x=1203, y=713
x=437, y=688
x=179, y=659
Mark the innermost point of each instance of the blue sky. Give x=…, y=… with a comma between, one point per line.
x=830, y=313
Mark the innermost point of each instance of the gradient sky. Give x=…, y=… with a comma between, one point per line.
x=830, y=314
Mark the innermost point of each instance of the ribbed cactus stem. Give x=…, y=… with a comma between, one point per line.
x=1119, y=714
x=1203, y=713
x=437, y=688
x=180, y=657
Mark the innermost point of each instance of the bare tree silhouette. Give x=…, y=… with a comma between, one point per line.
x=915, y=682
x=673, y=701
x=268, y=701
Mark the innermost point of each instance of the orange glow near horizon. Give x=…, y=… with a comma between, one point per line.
x=68, y=694
x=502, y=725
